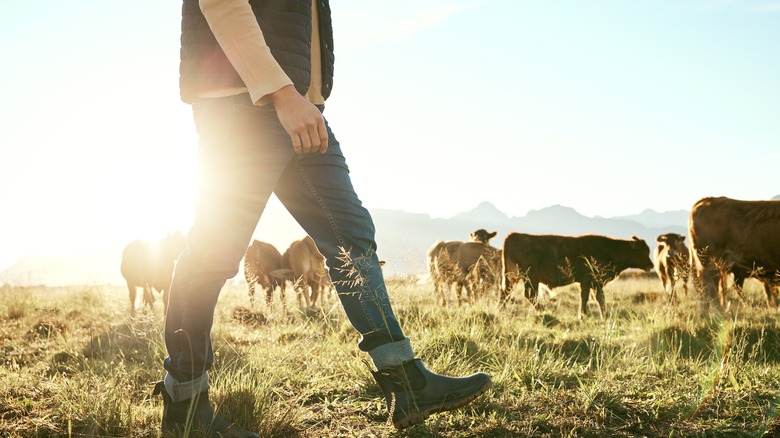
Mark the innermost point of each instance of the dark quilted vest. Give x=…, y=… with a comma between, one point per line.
x=204, y=66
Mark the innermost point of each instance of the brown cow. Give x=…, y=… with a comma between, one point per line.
x=260, y=260
x=592, y=261
x=149, y=265
x=670, y=258
x=733, y=236
x=308, y=269
x=455, y=262
x=481, y=235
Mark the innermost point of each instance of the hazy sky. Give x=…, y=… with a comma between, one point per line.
x=606, y=106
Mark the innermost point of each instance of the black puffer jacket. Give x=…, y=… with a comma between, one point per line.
x=204, y=65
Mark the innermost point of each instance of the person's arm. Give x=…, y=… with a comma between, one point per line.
x=235, y=27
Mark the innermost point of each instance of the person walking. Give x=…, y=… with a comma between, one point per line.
x=257, y=74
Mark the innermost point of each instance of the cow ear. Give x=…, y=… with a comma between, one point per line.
x=492, y=235
x=661, y=238
x=636, y=238
x=682, y=238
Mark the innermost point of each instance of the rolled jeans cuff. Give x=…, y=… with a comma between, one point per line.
x=180, y=391
x=392, y=354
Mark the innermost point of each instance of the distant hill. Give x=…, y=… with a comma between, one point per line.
x=652, y=218
x=776, y=198
x=403, y=239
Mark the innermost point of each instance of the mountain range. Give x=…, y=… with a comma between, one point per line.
x=402, y=238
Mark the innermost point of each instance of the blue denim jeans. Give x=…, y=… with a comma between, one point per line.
x=244, y=156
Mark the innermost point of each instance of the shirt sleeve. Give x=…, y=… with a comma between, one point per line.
x=235, y=27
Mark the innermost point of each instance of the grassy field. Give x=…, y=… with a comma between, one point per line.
x=73, y=363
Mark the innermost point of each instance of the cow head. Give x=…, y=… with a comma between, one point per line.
x=675, y=244
x=640, y=255
x=482, y=236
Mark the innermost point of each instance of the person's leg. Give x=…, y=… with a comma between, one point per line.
x=317, y=190
x=240, y=159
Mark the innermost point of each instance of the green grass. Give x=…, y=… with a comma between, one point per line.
x=73, y=363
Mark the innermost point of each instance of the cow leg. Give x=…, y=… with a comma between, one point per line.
x=664, y=277
x=772, y=296
x=269, y=295
x=601, y=301
x=710, y=279
x=314, y=287
x=672, y=293
x=468, y=288
x=282, y=297
x=529, y=292
x=148, y=297
x=459, y=287
x=584, y=297
x=132, y=291
x=303, y=294
x=509, y=271
x=672, y=274
x=438, y=292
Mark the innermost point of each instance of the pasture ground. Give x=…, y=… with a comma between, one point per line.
x=73, y=363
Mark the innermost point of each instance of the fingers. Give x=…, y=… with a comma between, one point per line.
x=312, y=138
x=323, y=133
x=302, y=121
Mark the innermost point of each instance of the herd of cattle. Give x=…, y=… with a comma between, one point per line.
x=727, y=237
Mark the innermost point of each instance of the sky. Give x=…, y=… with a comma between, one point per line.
x=606, y=106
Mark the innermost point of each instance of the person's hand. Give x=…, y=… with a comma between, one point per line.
x=302, y=120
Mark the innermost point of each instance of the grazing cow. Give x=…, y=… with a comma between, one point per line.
x=455, y=262
x=149, y=265
x=308, y=269
x=260, y=260
x=592, y=261
x=670, y=258
x=739, y=237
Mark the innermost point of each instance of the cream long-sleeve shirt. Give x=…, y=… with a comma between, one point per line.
x=235, y=27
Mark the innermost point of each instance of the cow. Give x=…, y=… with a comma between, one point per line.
x=671, y=262
x=734, y=236
x=554, y=260
x=149, y=265
x=260, y=260
x=456, y=262
x=308, y=269
x=481, y=235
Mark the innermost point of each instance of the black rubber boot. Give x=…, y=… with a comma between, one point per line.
x=186, y=416
x=413, y=392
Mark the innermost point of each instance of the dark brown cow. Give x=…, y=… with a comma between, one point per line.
x=739, y=237
x=671, y=262
x=308, y=269
x=456, y=263
x=481, y=235
x=149, y=265
x=552, y=260
x=260, y=260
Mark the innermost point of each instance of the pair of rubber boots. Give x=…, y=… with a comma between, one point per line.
x=412, y=393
